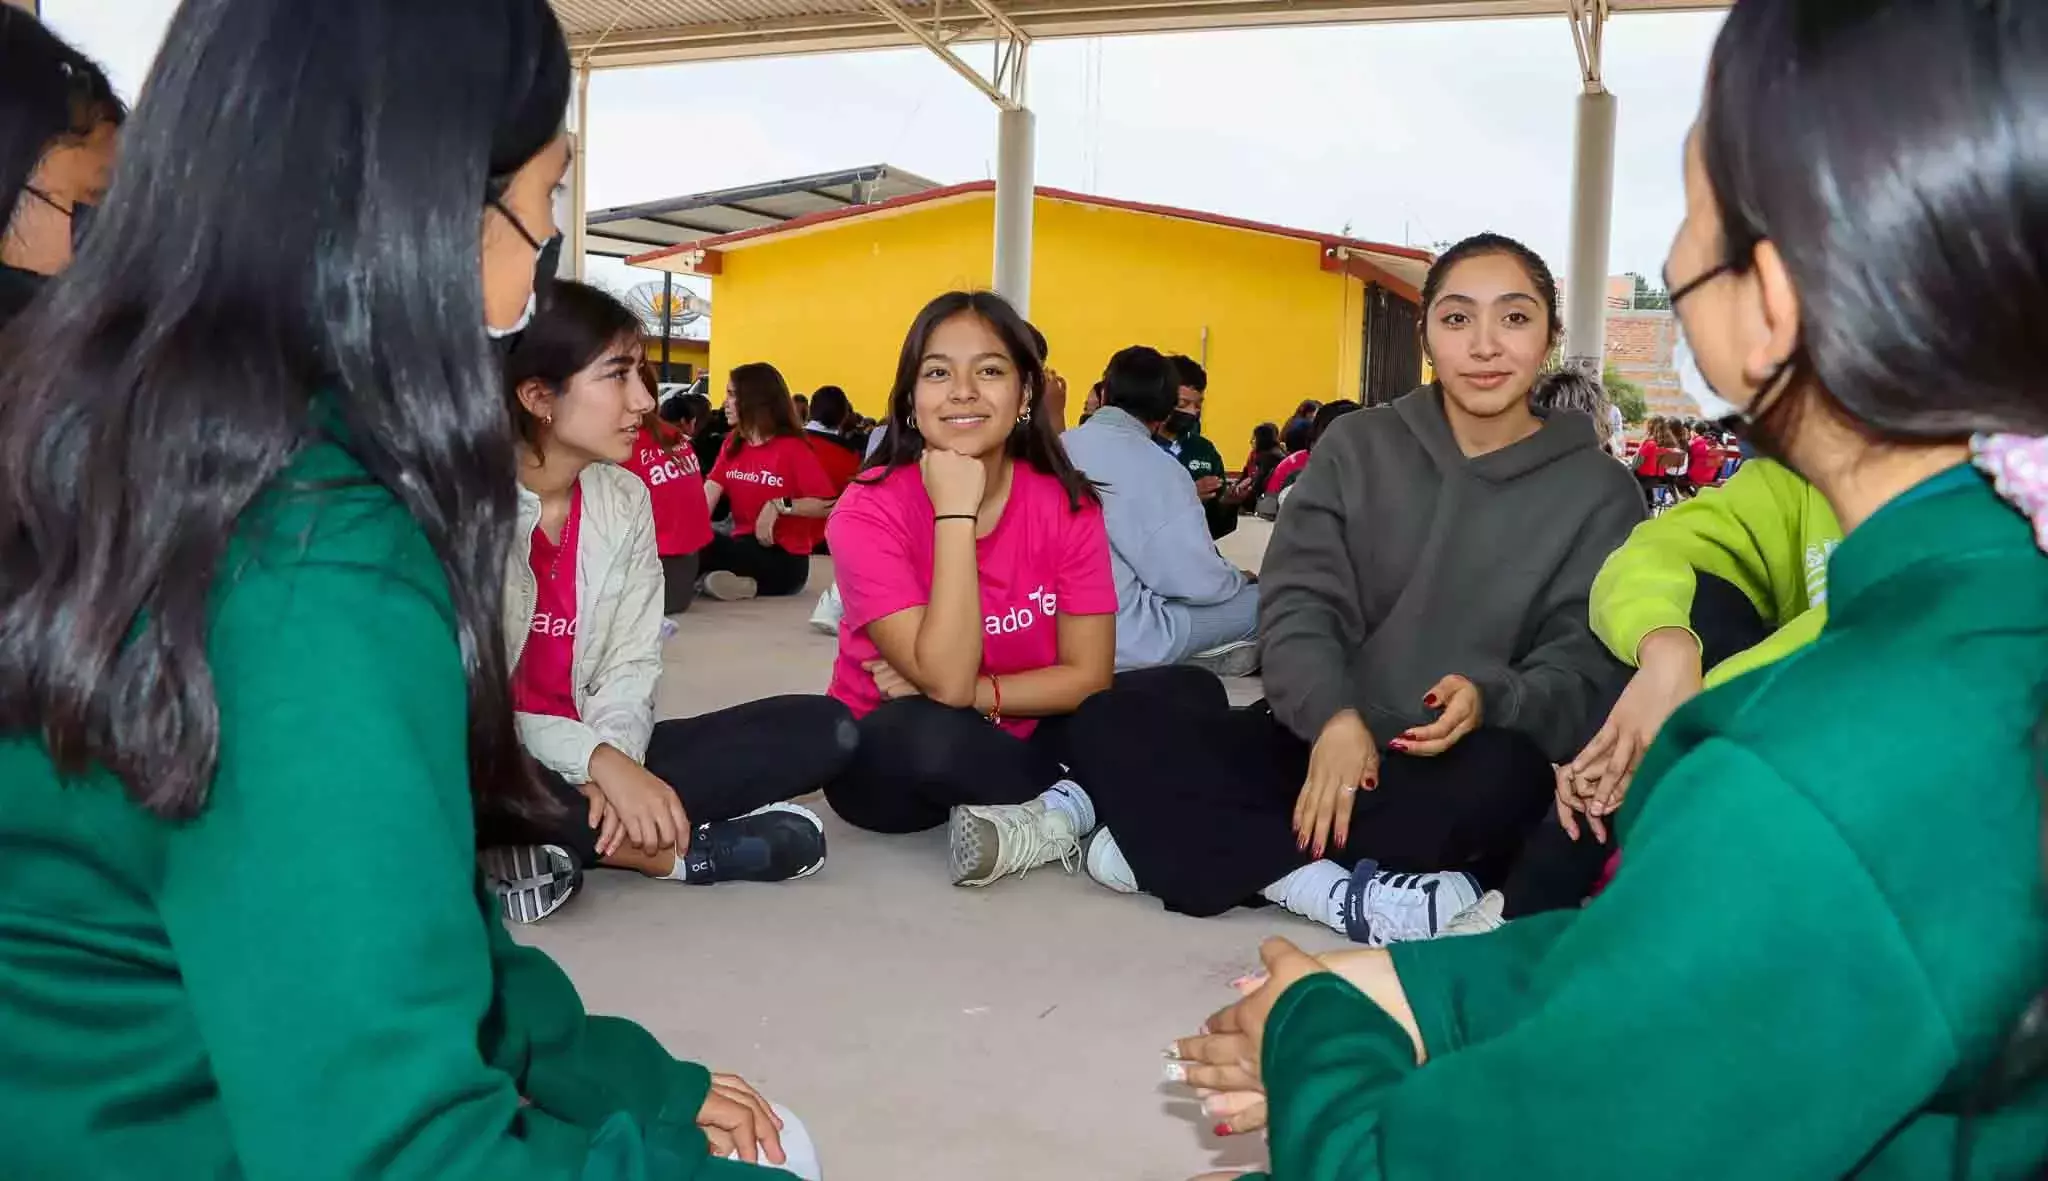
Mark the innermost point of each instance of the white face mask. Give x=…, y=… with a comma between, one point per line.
x=519, y=325
x=1693, y=383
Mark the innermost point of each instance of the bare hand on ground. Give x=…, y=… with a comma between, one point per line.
x=735, y=1118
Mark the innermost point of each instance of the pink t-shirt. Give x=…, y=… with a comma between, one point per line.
x=1043, y=558
x=544, y=682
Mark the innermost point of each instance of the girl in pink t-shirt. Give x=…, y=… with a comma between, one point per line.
x=696, y=800
x=980, y=611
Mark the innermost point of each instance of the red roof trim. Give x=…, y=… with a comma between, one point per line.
x=1327, y=241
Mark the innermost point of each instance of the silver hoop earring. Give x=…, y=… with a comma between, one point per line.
x=1025, y=416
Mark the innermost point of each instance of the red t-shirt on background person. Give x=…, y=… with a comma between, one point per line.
x=761, y=472
x=1649, y=459
x=544, y=682
x=1042, y=559
x=1295, y=461
x=675, y=486
x=841, y=463
x=1704, y=462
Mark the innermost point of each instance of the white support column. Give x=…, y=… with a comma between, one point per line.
x=570, y=206
x=1015, y=188
x=1585, y=299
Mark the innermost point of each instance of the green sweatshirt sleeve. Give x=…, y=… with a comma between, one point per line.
x=322, y=907
x=1747, y=532
x=1629, y=1018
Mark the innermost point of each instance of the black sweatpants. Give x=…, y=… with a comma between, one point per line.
x=916, y=759
x=721, y=765
x=775, y=570
x=1201, y=796
x=679, y=582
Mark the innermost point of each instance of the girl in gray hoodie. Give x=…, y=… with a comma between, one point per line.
x=1426, y=651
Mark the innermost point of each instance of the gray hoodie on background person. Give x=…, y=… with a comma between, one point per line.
x=1159, y=545
x=1400, y=561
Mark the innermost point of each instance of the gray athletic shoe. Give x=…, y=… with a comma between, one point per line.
x=530, y=881
x=1239, y=658
x=1478, y=918
x=990, y=841
x=727, y=587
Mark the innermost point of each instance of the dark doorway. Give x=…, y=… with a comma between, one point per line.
x=1393, y=347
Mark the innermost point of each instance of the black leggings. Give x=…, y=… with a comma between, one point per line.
x=775, y=570
x=721, y=765
x=679, y=582
x=1201, y=796
x=916, y=759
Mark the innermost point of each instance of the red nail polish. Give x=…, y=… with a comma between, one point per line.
x=1430, y=701
x=1398, y=745
x=1371, y=783
x=1223, y=1130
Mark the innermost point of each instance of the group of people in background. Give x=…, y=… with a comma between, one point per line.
x=332, y=601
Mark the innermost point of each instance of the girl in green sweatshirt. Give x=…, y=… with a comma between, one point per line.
x=1815, y=956
x=255, y=501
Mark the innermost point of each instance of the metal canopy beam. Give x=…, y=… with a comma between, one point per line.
x=737, y=30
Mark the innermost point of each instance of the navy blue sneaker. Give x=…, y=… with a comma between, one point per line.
x=771, y=844
x=1383, y=908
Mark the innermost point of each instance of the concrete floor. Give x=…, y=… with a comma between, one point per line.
x=922, y=1031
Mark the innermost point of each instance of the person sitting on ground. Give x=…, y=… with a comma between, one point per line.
x=59, y=117
x=661, y=456
x=1265, y=455
x=979, y=608
x=1568, y=389
x=697, y=800
x=253, y=680
x=1178, y=601
x=1775, y=986
x=780, y=493
x=1297, y=432
x=1426, y=653
x=1289, y=469
x=828, y=434
x=1181, y=435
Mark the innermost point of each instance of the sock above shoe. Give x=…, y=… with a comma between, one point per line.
x=1069, y=799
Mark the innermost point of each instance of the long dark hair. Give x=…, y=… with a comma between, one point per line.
x=1890, y=224
x=573, y=327
x=1036, y=442
x=289, y=254
x=765, y=408
x=49, y=94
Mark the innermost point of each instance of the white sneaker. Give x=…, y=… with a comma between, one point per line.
x=1106, y=863
x=829, y=611
x=727, y=587
x=1478, y=918
x=1383, y=908
x=1239, y=658
x=990, y=841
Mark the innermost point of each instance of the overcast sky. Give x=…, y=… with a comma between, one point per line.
x=1406, y=133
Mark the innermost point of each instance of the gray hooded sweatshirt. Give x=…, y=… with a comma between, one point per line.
x=1398, y=561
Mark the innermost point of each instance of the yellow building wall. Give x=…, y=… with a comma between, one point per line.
x=694, y=353
x=831, y=306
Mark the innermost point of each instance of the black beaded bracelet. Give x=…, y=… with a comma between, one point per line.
x=956, y=517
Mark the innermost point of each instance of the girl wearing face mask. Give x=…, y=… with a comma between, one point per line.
x=1830, y=916
x=1426, y=656
x=979, y=608
x=779, y=491
x=254, y=513
x=58, y=120
x=695, y=800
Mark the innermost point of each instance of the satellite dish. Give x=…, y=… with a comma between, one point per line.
x=687, y=307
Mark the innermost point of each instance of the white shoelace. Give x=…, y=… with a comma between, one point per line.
x=1027, y=838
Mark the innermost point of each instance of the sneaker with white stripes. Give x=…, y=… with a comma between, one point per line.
x=531, y=881
x=1383, y=908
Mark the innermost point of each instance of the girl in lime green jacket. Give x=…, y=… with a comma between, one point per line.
x=1814, y=959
